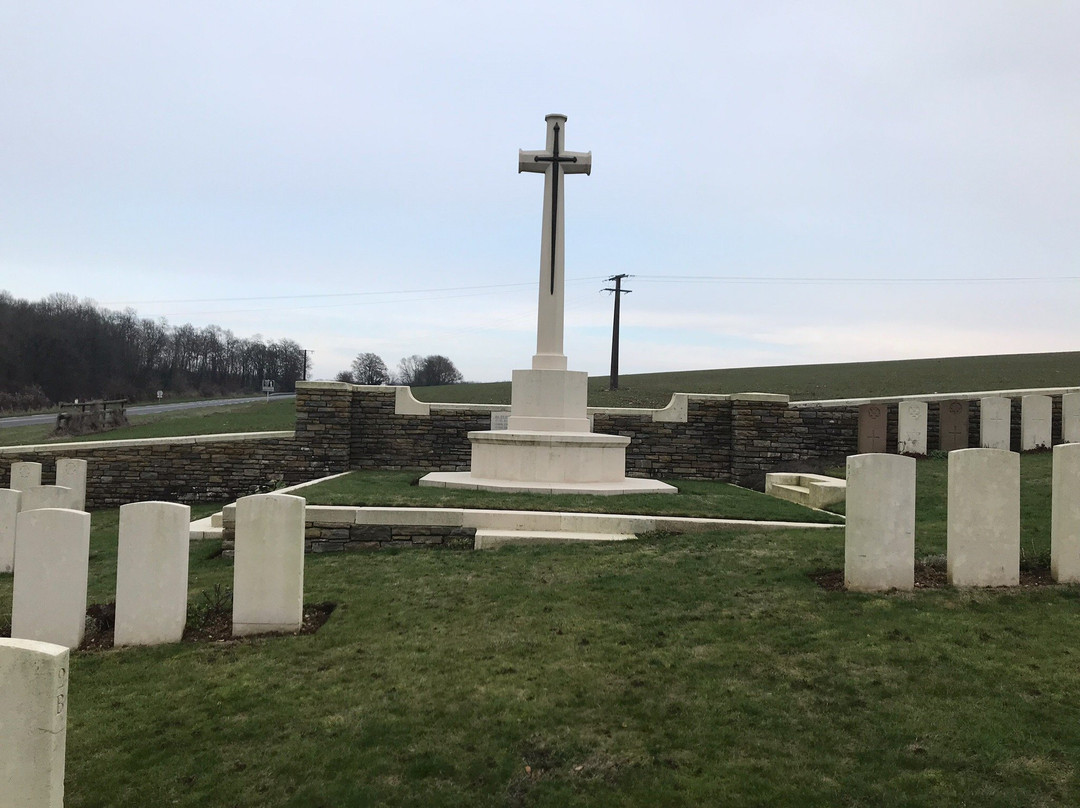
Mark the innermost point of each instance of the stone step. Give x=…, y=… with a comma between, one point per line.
x=488, y=539
x=202, y=529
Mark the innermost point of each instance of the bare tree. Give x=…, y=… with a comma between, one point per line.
x=368, y=368
x=408, y=370
x=435, y=369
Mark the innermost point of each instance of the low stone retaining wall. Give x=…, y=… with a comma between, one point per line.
x=204, y=468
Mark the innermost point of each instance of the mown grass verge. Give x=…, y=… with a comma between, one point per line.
x=705, y=669
x=259, y=416
x=702, y=498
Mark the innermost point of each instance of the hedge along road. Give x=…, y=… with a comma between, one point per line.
x=146, y=409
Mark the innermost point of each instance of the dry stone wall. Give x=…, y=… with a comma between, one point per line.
x=736, y=438
x=178, y=469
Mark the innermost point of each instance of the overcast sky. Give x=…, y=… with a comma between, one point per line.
x=788, y=183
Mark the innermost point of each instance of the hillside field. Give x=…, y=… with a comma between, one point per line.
x=809, y=382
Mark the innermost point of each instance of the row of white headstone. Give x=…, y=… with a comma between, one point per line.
x=49, y=609
x=983, y=522
x=26, y=493
x=995, y=423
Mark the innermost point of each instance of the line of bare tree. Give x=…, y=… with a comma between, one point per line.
x=415, y=370
x=61, y=348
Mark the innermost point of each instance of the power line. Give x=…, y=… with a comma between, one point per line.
x=844, y=280
x=426, y=290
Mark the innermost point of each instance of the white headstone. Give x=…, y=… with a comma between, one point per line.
x=995, y=423
x=46, y=496
x=48, y=600
x=33, y=723
x=9, y=512
x=25, y=474
x=268, y=568
x=1035, y=415
x=983, y=544
x=911, y=433
x=1065, y=515
x=1070, y=418
x=500, y=420
x=879, y=538
x=71, y=473
x=152, y=573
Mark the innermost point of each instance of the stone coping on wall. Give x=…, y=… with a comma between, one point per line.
x=185, y=440
x=934, y=397
x=405, y=403
x=343, y=516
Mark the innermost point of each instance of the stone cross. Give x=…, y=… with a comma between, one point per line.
x=552, y=162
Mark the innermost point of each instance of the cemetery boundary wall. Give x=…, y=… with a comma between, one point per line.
x=339, y=427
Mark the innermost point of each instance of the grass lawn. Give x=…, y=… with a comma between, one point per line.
x=705, y=669
x=259, y=416
x=701, y=498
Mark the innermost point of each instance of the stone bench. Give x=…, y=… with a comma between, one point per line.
x=811, y=490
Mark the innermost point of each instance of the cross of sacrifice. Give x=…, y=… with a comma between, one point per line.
x=553, y=161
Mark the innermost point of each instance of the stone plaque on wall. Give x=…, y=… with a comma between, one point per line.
x=873, y=421
x=953, y=426
x=500, y=420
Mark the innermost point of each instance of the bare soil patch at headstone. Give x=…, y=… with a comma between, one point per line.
x=934, y=576
x=215, y=627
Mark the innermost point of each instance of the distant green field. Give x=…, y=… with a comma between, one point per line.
x=259, y=416
x=808, y=382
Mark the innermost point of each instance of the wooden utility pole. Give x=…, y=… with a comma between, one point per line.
x=619, y=292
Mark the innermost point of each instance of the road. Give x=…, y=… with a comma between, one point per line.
x=143, y=409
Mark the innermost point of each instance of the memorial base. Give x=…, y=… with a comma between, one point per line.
x=547, y=462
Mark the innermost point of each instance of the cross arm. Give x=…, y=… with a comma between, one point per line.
x=582, y=162
x=527, y=161
x=571, y=162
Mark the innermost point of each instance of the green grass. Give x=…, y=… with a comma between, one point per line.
x=702, y=498
x=806, y=382
x=259, y=416
x=706, y=669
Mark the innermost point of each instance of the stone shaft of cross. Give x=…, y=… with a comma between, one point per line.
x=552, y=162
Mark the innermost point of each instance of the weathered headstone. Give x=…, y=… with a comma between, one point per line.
x=71, y=473
x=953, y=425
x=9, y=512
x=879, y=538
x=152, y=573
x=983, y=544
x=1035, y=418
x=46, y=496
x=1070, y=418
x=48, y=600
x=995, y=423
x=873, y=425
x=1065, y=515
x=500, y=420
x=911, y=438
x=33, y=723
x=268, y=567
x=25, y=474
